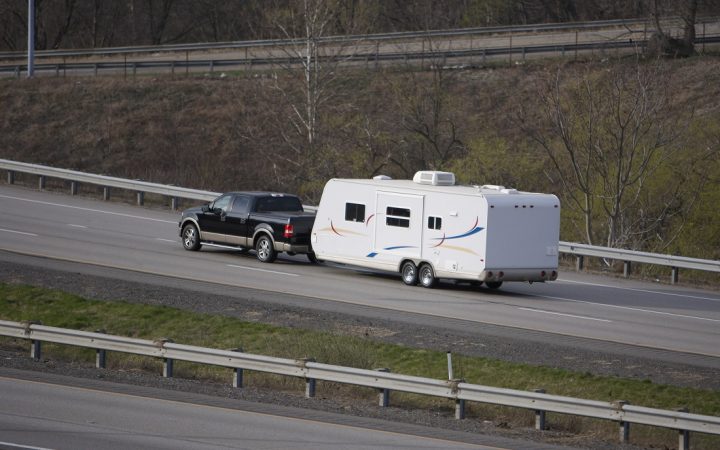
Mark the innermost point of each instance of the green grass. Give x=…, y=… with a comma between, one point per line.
x=59, y=309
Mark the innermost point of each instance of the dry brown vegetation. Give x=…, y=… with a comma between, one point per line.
x=236, y=132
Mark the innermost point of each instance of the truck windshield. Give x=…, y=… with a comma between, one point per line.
x=268, y=204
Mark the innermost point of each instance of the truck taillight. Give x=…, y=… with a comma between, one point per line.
x=288, y=231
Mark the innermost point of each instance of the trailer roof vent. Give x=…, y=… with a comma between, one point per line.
x=381, y=177
x=434, y=178
x=492, y=187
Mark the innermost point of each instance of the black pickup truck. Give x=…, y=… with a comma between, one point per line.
x=266, y=221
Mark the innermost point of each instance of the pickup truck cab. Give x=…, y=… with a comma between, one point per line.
x=268, y=222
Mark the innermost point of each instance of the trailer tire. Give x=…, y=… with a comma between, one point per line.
x=493, y=284
x=427, y=276
x=409, y=273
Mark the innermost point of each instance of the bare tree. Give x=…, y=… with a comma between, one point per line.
x=608, y=138
x=432, y=135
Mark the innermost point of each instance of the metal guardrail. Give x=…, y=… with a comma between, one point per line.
x=174, y=192
x=532, y=28
x=308, y=369
x=374, y=57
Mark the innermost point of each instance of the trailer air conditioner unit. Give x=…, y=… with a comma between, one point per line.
x=434, y=178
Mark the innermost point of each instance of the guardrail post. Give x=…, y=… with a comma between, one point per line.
x=683, y=435
x=57, y=71
x=579, y=263
x=100, y=354
x=383, y=394
x=523, y=54
x=624, y=426
x=95, y=69
x=627, y=267
x=237, y=372
x=168, y=363
x=140, y=198
x=106, y=193
x=459, y=409
x=11, y=177
x=172, y=68
x=539, y=414
x=167, y=367
x=174, y=203
x=212, y=66
x=134, y=68
x=484, y=56
x=41, y=182
x=17, y=71
x=309, y=382
x=73, y=188
x=35, y=349
x=674, y=275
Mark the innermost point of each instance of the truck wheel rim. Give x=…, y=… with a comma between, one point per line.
x=189, y=237
x=263, y=249
x=426, y=276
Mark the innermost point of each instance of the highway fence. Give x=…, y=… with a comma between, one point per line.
x=579, y=251
x=383, y=380
x=470, y=48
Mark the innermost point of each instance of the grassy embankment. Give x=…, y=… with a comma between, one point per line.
x=55, y=308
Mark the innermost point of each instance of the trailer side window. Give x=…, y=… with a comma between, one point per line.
x=395, y=217
x=354, y=212
x=434, y=223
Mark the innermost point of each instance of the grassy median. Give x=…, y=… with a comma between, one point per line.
x=59, y=309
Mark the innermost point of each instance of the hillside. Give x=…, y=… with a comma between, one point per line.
x=491, y=126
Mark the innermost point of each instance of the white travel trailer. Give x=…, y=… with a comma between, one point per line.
x=430, y=228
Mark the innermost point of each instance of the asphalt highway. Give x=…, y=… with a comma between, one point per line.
x=38, y=416
x=653, y=316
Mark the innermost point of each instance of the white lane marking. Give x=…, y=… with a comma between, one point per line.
x=18, y=232
x=630, y=308
x=564, y=315
x=264, y=270
x=647, y=291
x=8, y=444
x=88, y=209
x=76, y=226
x=166, y=240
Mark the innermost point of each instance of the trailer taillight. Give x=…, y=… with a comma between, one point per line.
x=289, y=231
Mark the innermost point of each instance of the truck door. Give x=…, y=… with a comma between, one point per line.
x=212, y=221
x=236, y=226
x=398, y=225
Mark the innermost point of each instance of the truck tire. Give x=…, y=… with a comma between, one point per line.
x=409, y=273
x=265, y=250
x=190, y=237
x=493, y=284
x=312, y=258
x=426, y=276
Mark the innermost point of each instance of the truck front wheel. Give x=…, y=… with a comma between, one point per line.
x=265, y=250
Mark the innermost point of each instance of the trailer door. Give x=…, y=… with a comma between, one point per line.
x=398, y=224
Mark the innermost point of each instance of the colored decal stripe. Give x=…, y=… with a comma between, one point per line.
x=397, y=247
x=372, y=254
x=469, y=233
x=334, y=230
x=369, y=219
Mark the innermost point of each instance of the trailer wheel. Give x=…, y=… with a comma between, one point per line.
x=409, y=273
x=493, y=284
x=427, y=276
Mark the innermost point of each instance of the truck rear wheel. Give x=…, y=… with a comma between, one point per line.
x=427, y=276
x=409, y=273
x=265, y=250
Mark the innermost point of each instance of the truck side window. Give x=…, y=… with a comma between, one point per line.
x=241, y=205
x=395, y=217
x=354, y=212
x=434, y=223
x=222, y=203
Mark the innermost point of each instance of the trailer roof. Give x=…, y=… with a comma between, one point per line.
x=411, y=186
